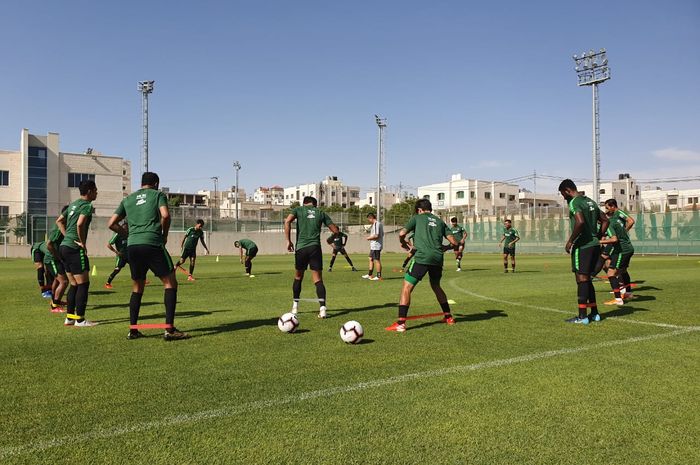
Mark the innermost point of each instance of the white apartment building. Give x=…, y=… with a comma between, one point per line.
x=388, y=199
x=657, y=199
x=39, y=179
x=330, y=191
x=471, y=195
x=625, y=190
x=269, y=195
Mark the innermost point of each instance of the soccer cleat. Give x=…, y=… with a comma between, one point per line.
x=615, y=302
x=366, y=276
x=295, y=307
x=375, y=278
x=505, y=271
x=449, y=320
x=85, y=324
x=56, y=308
x=354, y=269
x=175, y=335
x=68, y=322
x=46, y=294
x=578, y=320
x=513, y=270
x=134, y=334
x=322, y=312
x=594, y=317
x=398, y=327
x=191, y=278
x=459, y=269
x=251, y=275
x=108, y=286
x=330, y=269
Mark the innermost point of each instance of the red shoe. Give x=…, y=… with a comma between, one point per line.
x=398, y=327
x=191, y=278
x=108, y=286
x=56, y=309
x=449, y=320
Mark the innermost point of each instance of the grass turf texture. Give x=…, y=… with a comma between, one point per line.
x=240, y=391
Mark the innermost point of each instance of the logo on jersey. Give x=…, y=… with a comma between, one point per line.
x=432, y=223
x=311, y=214
x=140, y=199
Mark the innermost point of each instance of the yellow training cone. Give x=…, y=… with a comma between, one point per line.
x=217, y=258
x=94, y=270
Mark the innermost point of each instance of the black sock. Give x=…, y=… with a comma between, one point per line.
x=70, y=299
x=505, y=266
x=615, y=285
x=403, y=313
x=111, y=276
x=379, y=274
x=347, y=257
x=321, y=293
x=332, y=262
x=191, y=269
x=446, y=309
x=81, y=298
x=582, y=299
x=296, y=289
x=40, y=277
x=134, y=308
x=248, y=267
x=591, y=298
x=627, y=280
x=170, y=299
x=370, y=271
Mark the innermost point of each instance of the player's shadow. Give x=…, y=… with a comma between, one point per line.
x=101, y=292
x=161, y=316
x=526, y=271
x=333, y=314
x=475, y=269
x=122, y=306
x=459, y=318
x=622, y=311
x=646, y=288
x=641, y=298
x=234, y=326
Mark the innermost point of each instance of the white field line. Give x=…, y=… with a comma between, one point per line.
x=232, y=411
x=565, y=312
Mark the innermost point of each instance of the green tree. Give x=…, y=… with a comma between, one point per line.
x=174, y=201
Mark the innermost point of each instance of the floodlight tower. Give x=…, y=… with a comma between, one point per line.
x=237, y=167
x=145, y=87
x=381, y=123
x=592, y=69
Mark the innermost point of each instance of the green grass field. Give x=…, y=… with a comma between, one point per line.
x=511, y=383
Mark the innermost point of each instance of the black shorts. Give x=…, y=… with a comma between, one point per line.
x=310, y=257
x=74, y=260
x=416, y=271
x=583, y=261
x=55, y=268
x=149, y=257
x=375, y=254
x=38, y=256
x=252, y=252
x=340, y=250
x=620, y=260
x=121, y=260
x=191, y=253
x=509, y=251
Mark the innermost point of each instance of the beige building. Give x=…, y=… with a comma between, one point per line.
x=330, y=191
x=471, y=195
x=625, y=190
x=269, y=195
x=388, y=199
x=39, y=179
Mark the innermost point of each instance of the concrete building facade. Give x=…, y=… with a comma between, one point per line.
x=625, y=190
x=471, y=195
x=330, y=191
x=269, y=195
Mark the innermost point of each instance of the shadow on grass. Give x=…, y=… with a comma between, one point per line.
x=236, y=326
x=161, y=316
x=363, y=341
x=333, y=314
x=121, y=306
x=640, y=298
x=646, y=288
x=487, y=315
x=525, y=271
x=101, y=292
x=622, y=311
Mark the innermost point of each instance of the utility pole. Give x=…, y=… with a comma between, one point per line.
x=237, y=167
x=145, y=87
x=381, y=123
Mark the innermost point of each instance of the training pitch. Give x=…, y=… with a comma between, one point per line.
x=510, y=383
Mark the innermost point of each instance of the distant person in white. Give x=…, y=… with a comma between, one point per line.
x=376, y=242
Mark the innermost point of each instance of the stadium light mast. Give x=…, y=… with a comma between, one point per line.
x=145, y=87
x=381, y=123
x=237, y=167
x=216, y=191
x=592, y=70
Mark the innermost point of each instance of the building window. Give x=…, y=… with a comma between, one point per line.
x=511, y=198
x=74, y=179
x=693, y=200
x=487, y=195
x=4, y=178
x=4, y=212
x=441, y=196
x=460, y=194
x=673, y=201
x=501, y=195
x=472, y=195
x=602, y=191
x=622, y=191
x=426, y=197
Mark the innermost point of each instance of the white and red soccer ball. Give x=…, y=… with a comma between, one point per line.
x=351, y=332
x=288, y=323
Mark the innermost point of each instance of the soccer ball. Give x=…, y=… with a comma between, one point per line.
x=351, y=332
x=288, y=323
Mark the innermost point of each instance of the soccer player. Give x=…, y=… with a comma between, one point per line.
x=460, y=235
x=189, y=246
x=118, y=245
x=429, y=230
x=411, y=251
x=584, y=246
x=55, y=267
x=376, y=242
x=308, y=249
x=251, y=250
x=621, y=254
x=74, y=224
x=149, y=223
x=510, y=236
x=38, y=258
x=338, y=244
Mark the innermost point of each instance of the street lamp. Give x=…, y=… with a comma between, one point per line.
x=145, y=87
x=216, y=192
x=237, y=167
x=381, y=123
x=592, y=69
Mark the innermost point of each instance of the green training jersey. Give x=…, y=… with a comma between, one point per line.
x=192, y=236
x=309, y=223
x=55, y=236
x=48, y=257
x=75, y=209
x=591, y=212
x=247, y=244
x=428, y=232
x=142, y=210
x=457, y=231
x=617, y=225
x=119, y=242
x=510, y=235
x=338, y=241
x=35, y=246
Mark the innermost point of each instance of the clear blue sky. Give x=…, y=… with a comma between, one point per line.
x=290, y=88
